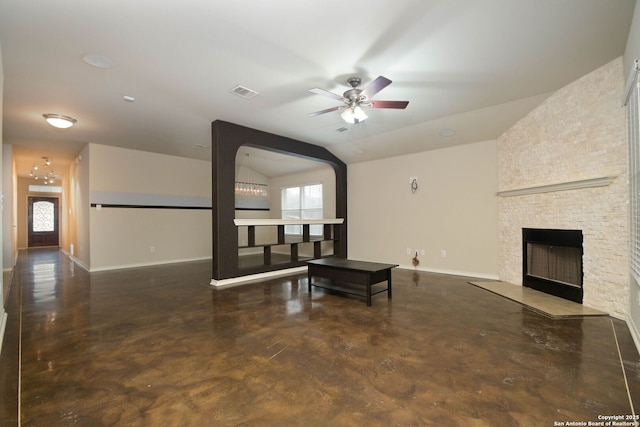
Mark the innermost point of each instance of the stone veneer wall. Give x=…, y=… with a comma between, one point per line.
x=578, y=133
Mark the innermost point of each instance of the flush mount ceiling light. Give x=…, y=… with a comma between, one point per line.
x=447, y=133
x=98, y=61
x=59, y=121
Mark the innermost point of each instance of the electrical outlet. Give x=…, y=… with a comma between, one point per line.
x=152, y=249
x=422, y=252
x=443, y=253
x=408, y=251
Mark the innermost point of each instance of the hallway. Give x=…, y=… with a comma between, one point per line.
x=157, y=346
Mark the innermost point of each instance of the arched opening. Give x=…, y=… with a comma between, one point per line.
x=227, y=140
x=271, y=185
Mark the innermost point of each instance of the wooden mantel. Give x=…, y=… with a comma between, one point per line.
x=562, y=186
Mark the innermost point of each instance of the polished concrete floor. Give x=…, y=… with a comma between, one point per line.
x=157, y=346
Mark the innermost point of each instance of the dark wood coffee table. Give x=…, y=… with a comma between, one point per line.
x=350, y=276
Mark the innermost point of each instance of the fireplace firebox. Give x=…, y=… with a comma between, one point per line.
x=552, y=262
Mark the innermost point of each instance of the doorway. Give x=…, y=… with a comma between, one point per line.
x=43, y=222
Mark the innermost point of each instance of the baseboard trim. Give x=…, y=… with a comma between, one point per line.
x=289, y=271
x=635, y=332
x=452, y=272
x=78, y=262
x=242, y=280
x=3, y=325
x=146, y=264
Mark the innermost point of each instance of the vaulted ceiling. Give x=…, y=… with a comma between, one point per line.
x=471, y=68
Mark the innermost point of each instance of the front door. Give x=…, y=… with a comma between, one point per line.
x=43, y=221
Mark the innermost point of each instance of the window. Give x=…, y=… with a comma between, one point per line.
x=45, y=189
x=303, y=202
x=43, y=217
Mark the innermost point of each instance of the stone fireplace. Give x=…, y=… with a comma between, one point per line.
x=564, y=166
x=552, y=262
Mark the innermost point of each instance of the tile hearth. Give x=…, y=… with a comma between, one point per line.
x=546, y=304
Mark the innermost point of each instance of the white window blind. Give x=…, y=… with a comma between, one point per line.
x=631, y=99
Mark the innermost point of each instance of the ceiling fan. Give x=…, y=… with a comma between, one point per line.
x=354, y=99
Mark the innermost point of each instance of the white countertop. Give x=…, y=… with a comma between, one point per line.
x=275, y=221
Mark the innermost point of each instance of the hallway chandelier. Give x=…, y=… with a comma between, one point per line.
x=43, y=171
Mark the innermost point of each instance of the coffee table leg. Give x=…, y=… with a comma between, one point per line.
x=389, y=284
x=369, y=295
x=309, y=279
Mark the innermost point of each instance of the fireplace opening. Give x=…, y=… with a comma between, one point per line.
x=552, y=262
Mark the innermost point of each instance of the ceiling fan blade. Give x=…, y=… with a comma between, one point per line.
x=328, y=94
x=375, y=86
x=389, y=104
x=328, y=110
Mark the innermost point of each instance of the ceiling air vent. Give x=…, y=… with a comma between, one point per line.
x=243, y=92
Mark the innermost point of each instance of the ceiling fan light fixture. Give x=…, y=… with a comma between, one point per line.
x=59, y=121
x=354, y=114
x=355, y=99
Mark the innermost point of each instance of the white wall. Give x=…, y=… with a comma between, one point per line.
x=632, y=50
x=65, y=212
x=128, y=237
x=453, y=210
x=3, y=314
x=246, y=174
x=9, y=240
x=80, y=208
